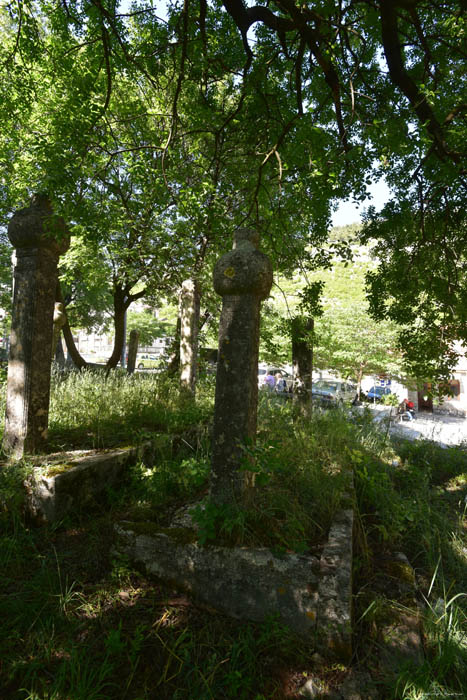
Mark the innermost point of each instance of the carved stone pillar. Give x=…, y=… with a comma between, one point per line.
x=39, y=238
x=302, y=360
x=243, y=277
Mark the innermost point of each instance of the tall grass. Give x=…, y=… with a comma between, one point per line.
x=416, y=504
x=78, y=623
x=99, y=410
x=302, y=478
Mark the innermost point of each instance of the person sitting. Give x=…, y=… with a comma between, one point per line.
x=410, y=407
x=406, y=409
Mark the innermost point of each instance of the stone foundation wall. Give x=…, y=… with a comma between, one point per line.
x=52, y=491
x=310, y=594
x=449, y=410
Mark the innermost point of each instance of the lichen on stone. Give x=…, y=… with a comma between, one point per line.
x=180, y=535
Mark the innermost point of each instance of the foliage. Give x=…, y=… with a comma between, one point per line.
x=421, y=284
x=5, y=271
x=82, y=625
x=77, y=623
x=86, y=285
x=160, y=136
x=415, y=504
x=95, y=409
x=148, y=326
x=346, y=339
x=292, y=461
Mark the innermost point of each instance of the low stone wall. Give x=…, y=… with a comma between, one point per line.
x=310, y=594
x=73, y=480
x=334, y=623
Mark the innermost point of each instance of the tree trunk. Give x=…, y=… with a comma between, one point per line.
x=173, y=367
x=189, y=329
x=59, y=354
x=73, y=351
x=302, y=360
x=359, y=381
x=120, y=306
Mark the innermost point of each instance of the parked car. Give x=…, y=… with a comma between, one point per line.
x=262, y=371
x=376, y=393
x=333, y=391
x=147, y=361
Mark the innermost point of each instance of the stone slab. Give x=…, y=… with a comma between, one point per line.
x=335, y=589
x=311, y=595
x=52, y=491
x=242, y=582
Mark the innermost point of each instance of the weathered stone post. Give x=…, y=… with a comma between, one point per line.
x=132, y=351
x=40, y=238
x=189, y=328
x=243, y=277
x=302, y=360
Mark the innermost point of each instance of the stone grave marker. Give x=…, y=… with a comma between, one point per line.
x=243, y=277
x=39, y=238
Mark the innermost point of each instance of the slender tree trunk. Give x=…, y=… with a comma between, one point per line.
x=120, y=307
x=73, y=351
x=189, y=330
x=174, y=352
x=359, y=380
x=132, y=351
x=59, y=354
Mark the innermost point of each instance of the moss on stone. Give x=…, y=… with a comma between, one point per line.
x=59, y=468
x=400, y=570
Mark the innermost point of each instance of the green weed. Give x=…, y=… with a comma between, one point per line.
x=98, y=410
x=415, y=503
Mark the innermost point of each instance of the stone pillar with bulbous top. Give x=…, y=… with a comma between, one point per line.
x=39, y=238
x=243, y=277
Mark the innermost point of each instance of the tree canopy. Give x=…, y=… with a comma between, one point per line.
x=171, y=131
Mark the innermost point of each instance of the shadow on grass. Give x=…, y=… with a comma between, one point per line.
x=78, y=624
x=415, y=506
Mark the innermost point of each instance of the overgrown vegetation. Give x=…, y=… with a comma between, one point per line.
x=91, y=409
x=79, y=622
x=417, y=505
x=291, y=467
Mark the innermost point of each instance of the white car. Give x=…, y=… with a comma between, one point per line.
x=147, y=361
x=333, y=391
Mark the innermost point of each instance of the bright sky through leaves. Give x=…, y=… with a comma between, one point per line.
x=350, y=213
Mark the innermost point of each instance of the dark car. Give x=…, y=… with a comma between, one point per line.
x=376, y=393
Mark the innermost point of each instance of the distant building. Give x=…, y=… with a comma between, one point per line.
x=454, y=402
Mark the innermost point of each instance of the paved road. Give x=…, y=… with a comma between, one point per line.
x=447, y=430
